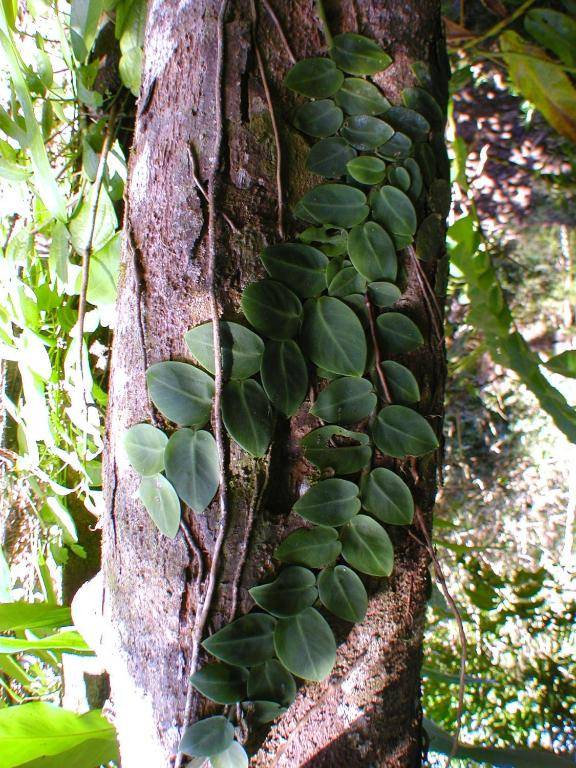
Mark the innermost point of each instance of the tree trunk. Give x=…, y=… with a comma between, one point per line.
x=368, y=712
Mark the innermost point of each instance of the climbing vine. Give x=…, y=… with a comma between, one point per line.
x=324, y=316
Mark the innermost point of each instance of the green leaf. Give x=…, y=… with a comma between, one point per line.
x=272, y=309
x=426, y=160
x=359, y=97
x=331, y=240
x=416, y=182
x=162, y=504
x=388, y=497
x=319, y=118
x=328, y=157
x=292, y=591
x=247, y=415
x=18, y=616
x=365, y=132
x=84, y=18
x=301, y=267
x=103, y=275
x=244, y=642
x=264, y=711
x=68, y=641
x=399, y=177
x=130, y=69
x=272, y=682
x=241, y=349
x=221, y=683
x=358, y=55
x=316, y=78
x=329, y=502
x=342, y=593
x=384, y=294
x=401, y=382
x=105, y=225
x=345, y=401
x=335, y=204
x=367, y=169
x=305, y=645
x=430, y=238
x=401, y=432
x=284, y=376
x=345, y=282
x=423, y=102
x=398, y=333
x=144, y=446
x=394, y=210
x=351, y=454
x=367, y=546
x=372, y=252
x=35, y=732
x=409, y=122
x=181, y=392
x=313, y=547
x=192, y=467
x=233, y=757
x=396, y=148
x=555, y=31
x=333, y=337
x=207, y=737
x=564, y=363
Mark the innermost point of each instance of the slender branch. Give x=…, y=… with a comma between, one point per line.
x=200, y=187
x=497, y=28
x=377, y=352
x=281, y=34
x=321, y=13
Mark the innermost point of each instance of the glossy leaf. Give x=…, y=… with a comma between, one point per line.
x=345, y=282
x=372, y=252
x=399, y=177
x=555, y=31
x=342, y=593
x=313, y=547
x=333, y=337
x=301, y=267
x=424, y=103
x=272, y=308
x=564, y=363
x=384, y=294
x=430, y=238
x=367, y=547
x=416, y=182
x=328, y=157
x=20, y=616
x=330, y=502
x=317, y=78
x=319, y=118
x=244, y=642
x=241, y=349
x=233, y=757
x=409, y=122
x=264, y=711
x=293, y=590
x=337, y=449
x=192, y=467
x=334, y=204
x=388, y=498
x=221, y=683
x=398, y=333
x=359, y=97
x=84, y=19
x=161, y=502
x=144, y=447
x=394, y=210
x=365, y=132
x=305, y=645
x=272, y=682
x=331, y=239
x=396, y=148
x=247, y=415
x=284, y=376
x=207, y=737
x=358, y=55
x=367, y=169
x=181, y=392
x=400, y=432
x=401, y=382
x=345, y=401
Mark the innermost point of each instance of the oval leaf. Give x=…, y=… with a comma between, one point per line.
x=221, y=683
x=409, y=122
x=423, y=102
x=162, y=503
x=316, y=78
x=342, y=593
x=247, y=415
x=181, y=392
x=398, y=333
x=384, y=294
x=233, y=757
x=359, y=97
x=301, y=267
x=345, y=401
x=329, y=502
x=365, y=132
x=244, y=642
x=241, y=349
x=292, y=591
x=337, y=449
x=284, y=376
x=367, y=169
x=372, y=252
x=336, y=204
x=400, y=432
x=367, y=546
x=272, y=309
x=144, y=447
x=399, y=177
x=319, y=118
x=264, y=711
x=401, y=382
x=207, y=737
x=388, y=497
x=345, y=282
x=396, y=148
x=192, y=467
x=358, y=55
x=272, y=682
x=328, y=157
x=305, y=645
x=333, y=337
x=314, y=547
x=394, y=210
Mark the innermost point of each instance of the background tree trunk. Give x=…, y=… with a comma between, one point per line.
x=368, y=711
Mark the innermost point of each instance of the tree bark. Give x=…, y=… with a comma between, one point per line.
x=368, y=712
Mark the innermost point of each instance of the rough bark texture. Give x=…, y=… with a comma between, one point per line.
x=368, y=712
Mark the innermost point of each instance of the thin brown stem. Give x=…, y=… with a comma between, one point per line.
x=428, y=295
x=281, y=34
x=377, y=351
x=200, y=187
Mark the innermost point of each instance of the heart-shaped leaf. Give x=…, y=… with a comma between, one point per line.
x=313, y=547
x=305, y=645
x=345, y=282
x=394, y=210
x=409, y=122
x=388, y=497
x=396, y=148
x=233, y=757
x=292, y=591
x=162, y=503
x=416, y=182
x=337, y=449
x=423, y=102
x=336, y=204
x=247, y=415
x=372, y=252
x=192, y=467
x=301, y=267
x=384, y=294
x=181, y=392
x=328, y=157
x=345, y=401
x=365, y=132
x=330, y=239
x=264, y=711
x=207, y=737
x=359, y=97
x=284, y=376
x=319, y=118
x=358, y=55
x=400, y=432
x=272, y=682
x=272, y=309
x=398, y=333
x=144, y=447
x=342, y=593
x=329, y=502
x=221, y=683
x=241, y=349
x=316, y=78
x=399, y=177
x=244, y=642
x=333, y=337
x=367, y=546
x=367, y=169
x=401, y=382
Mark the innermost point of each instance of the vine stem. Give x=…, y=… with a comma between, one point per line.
x=321, y=13
x=281, y=34
x=377, y=352
x=203, y=610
